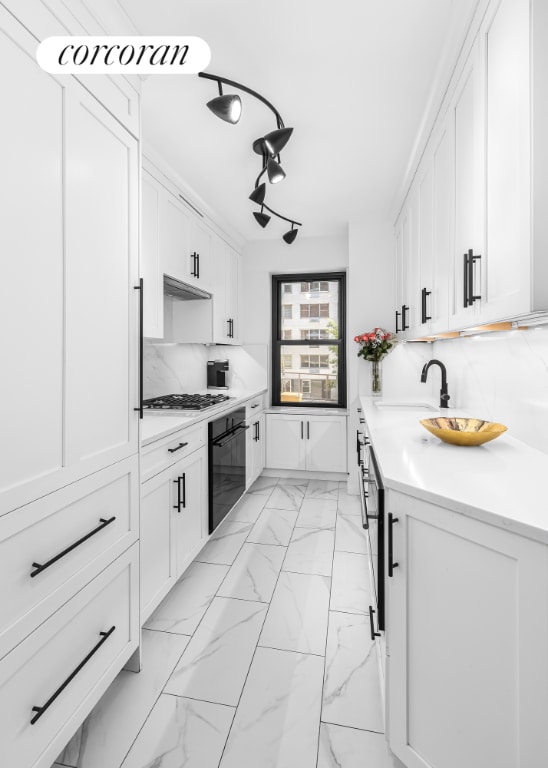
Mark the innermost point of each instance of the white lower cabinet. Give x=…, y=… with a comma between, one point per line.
x=52, y=680
x=255, y=449
x=467, y=637
x=173, y=523
x=313, y=443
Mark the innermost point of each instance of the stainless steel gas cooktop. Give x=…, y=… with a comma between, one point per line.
x=184, y=402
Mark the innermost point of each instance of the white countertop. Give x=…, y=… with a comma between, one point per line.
x=502, y=482
x=157, y=424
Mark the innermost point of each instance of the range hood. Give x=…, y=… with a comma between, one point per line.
x=183, y=291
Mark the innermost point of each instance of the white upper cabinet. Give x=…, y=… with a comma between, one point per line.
x=150, y=265
x=482, y=236
x=175, y=238
x=69, y=242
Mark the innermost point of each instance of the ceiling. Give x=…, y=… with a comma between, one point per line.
x=353, y=79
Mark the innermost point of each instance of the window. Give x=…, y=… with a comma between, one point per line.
x=308, y=344
x=315, y=310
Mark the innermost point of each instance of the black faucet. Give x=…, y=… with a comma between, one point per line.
x=444, y=397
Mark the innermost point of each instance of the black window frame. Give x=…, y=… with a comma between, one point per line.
x=278, y=342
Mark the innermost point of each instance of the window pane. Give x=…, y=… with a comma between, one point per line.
x=303, y=315
x=309, y=374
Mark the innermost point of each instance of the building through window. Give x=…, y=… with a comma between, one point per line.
x=308, y=340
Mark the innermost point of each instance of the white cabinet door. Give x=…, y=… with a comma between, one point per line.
x=232, y=294
x=255, y=449
x=32, y=258
x=221, y=328
x=285, y=441
x=101, y=270
x=507, y=267
x=326, y=444
x=151, y=268
x=157, y=546
x=175, y=238
x=437, y=304
x=469, y=158
x=69, y=241
x=189, y=495
x=467, y=633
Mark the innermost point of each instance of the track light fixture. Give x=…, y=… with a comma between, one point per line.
x=290, y=235
x=261, y=217
x=229, y=107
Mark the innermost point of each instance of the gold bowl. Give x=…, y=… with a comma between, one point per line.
x=459, y=431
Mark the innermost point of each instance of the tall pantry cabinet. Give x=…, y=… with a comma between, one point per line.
x=69, y=616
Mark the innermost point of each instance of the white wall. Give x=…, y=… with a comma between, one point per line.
x=263, y=258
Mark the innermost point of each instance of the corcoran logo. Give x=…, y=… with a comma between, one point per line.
x=123, y=55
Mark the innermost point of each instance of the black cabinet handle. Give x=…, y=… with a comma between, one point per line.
x=255, y=406
x=194, y=271
x=141, y=345
x=308, y=430
x=397, y=315
x=424, y=316
x=40, y=710
x=178, y=505
x=183, y=478
x=371, y=622
x=404, y=311
x=178, y=448
x=39, y=567
x=391, y=563
x=256, y=428
x=302, y=433
x=231, y=327
x=358, y=448
x=365, y=494
x=198, y=267
x=469, y=296
x=181, y=497
x=362, y=421
x=259, y=431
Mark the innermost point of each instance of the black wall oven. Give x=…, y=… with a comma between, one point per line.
x=226, y=453
x=373, y=519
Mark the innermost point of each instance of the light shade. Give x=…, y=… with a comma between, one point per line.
x=275, y=141
x=228, y=107
x=262, y=218
x=290, y=236
x=275, y=171
x=258, y=194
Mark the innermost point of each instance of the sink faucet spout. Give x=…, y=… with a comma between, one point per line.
x=444, y=396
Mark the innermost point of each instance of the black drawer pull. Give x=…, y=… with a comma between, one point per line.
x=255, y=406
x=178, y=448
x=40, y=710
x=424, y=312
x=397, y=316
x=404, y=311
x=371, y=621
x=391, y=563
x=39, y=568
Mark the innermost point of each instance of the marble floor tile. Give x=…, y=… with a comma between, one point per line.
x=286, y=496
x=248, y=509
x=263, y=485
x=323, y=489
x=225, y=543
x=349, y=505
x=351, y=693
x=317, y=513
x=181, y=733
x=310, y=551
x=183, y=608
x=216, y=661
x=109, y=731
x=342, y=747
x=351, y=584
x=254, y=573
x=298, y=614
x=274, y=526
x=276, y=723
x=350, y=535
x=293, y=481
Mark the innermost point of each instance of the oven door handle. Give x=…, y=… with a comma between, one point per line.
x=364, y=497
x=230, y=436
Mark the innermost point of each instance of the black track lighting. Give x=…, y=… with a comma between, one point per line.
x=290, y=236
x=275, y=171
x=226, y=106
x=276, y=140
x=258, y=194
x=261, y=217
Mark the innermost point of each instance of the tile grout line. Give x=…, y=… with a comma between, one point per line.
x=327, y=634
x=256, y=646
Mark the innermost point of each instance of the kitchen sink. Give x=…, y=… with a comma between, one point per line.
x=395, y=405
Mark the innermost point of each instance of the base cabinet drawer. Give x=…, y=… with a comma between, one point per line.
x=50, y=682
x=53, y=547
x=163, y=453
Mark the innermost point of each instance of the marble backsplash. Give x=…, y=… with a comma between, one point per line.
x=175, y=368
x=496, y=376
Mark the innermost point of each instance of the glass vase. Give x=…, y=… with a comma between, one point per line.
x=376, y=378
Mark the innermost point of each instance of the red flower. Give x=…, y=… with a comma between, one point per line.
x=356, y=338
